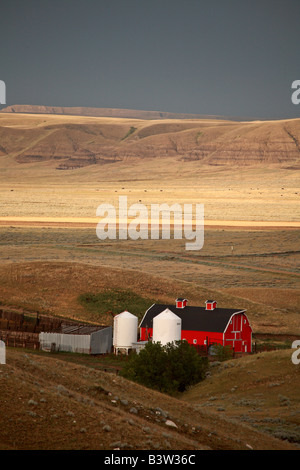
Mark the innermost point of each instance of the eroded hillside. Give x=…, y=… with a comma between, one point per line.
x=76, y=141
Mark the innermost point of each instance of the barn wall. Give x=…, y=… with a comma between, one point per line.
x=199, y=337
x=190, y=336
x=146, y=334
x=238, y=334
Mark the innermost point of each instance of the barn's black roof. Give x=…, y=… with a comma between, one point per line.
x=193, y=318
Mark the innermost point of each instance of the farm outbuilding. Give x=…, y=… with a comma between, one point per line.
x=204, y=326
x=78, y=338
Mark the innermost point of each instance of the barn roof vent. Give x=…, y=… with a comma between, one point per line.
x=181, y=303
x=210, y=304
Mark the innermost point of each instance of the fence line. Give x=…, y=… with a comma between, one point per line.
x=20, y=340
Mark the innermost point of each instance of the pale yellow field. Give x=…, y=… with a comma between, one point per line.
x=240, y=195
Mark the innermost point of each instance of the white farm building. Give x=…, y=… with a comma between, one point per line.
x=78, y=338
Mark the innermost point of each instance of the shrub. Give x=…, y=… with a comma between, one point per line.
x=169, y=369
x=222, y=353
x=131, y=131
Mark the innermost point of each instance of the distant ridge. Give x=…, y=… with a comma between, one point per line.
x=75, y=141
x=105, y=112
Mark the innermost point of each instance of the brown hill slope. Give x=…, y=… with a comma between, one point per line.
x=49, y=403
x=261, y=390
x=71, y=142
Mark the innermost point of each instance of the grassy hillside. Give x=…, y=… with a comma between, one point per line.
x=48, y=402
x=261, y=390
x=115, y=301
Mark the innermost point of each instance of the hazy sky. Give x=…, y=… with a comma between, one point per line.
x=226, y=57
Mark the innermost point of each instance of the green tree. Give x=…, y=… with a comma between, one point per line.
x=185, y=366
x=171, y=368
x=222, y=353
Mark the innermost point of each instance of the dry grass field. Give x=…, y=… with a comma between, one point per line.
x=48, y=240
x=46, y=269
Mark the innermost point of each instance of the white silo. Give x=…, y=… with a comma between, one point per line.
x=125, y=331
x=166, y=327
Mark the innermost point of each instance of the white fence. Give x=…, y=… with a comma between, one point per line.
x=98, y=342
x=64, y=342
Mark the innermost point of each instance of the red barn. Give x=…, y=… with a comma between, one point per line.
x=203, y=326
